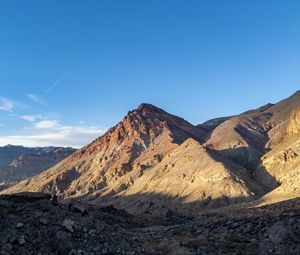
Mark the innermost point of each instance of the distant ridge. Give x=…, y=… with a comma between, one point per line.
x=18, y=162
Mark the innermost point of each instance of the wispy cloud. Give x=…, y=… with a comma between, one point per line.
x=52, y=133
x=59, y=80
x=46, y=124
x=30, y=118
x=7, y=105
x=36, y=99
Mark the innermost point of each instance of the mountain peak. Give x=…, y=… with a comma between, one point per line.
x=12, y=146
x=144, y=110
x=148, y=108
x=146, y=105
x=149, y=117
x=297, y=92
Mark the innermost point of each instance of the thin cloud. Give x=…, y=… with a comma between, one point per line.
x=46, y=124
x=7, y=105
x=36, y=99
x=67, y=136
x=49, y=132
x=58, y=81
x=30, y=118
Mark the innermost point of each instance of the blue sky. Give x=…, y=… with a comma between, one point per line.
x=70, y=69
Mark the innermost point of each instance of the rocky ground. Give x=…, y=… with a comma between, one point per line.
x=38, y=224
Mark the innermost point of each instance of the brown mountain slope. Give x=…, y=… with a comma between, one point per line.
x=189, y=178
x=210, y=125
x=246, y=137
x=137, y=143
x=283, y=163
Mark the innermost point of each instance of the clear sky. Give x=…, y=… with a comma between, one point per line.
x=70, y=69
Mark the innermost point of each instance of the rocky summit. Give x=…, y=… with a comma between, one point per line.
x=157, y=184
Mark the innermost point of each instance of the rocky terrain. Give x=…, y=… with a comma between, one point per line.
x=161, y=185
x=38, y=224
x=18, y=163
x=188, y=179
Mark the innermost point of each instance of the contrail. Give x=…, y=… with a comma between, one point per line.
x=58, y=81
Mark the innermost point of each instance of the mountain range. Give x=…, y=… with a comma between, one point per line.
x=152, y=162
x=18, y=162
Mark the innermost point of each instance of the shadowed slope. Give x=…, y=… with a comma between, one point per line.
x=188, y=179
x=256, y=131
x=283, y=163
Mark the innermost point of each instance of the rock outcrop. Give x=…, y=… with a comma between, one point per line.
x=294, y=124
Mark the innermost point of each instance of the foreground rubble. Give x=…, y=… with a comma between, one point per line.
x=37, y=224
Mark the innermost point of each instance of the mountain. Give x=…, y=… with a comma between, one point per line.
x=152, y=162
x=137, y=143
x=144, y=160
x=246, y=137
x=10, y=152
x=19, y=163
x=266, y=141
